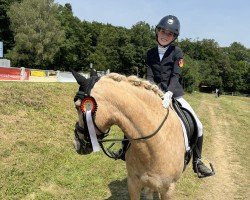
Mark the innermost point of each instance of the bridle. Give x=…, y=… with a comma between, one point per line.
x=85, y=140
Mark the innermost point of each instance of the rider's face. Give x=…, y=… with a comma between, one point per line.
x=165, y=37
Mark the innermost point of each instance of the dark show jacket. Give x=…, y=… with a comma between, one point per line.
x=165, y=73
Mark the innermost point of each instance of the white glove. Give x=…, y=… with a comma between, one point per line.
x=167, y=99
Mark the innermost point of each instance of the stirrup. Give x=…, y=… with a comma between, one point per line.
x=203, y=175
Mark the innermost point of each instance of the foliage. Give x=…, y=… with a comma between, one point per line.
x=190, y=74
x=6, y=35
x=121, y=50
x=225, y=68
x=76, y=48
x=38, y=34
x=237, y=77
x=143, y=38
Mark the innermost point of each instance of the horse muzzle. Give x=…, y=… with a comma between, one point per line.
x=82, y=146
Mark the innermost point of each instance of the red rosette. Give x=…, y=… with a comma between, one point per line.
x=88, y=103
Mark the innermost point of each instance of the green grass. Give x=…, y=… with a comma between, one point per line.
x=37, y=159
x=238, y=113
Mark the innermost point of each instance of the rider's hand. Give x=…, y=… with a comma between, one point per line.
x=167, y=99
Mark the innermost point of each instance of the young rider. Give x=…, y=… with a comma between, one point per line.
x=164, y=64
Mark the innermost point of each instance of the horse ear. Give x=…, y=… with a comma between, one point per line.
x=81, y=80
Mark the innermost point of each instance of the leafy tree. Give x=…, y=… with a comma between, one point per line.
x=6, y=35
x=238, y=52
x=96, y=56
x=143, y=38
x=189, y=48
x=210, y=74
x=110, y=45
x=190, y=74
x=237, y=76
x=76, y=48
x=94, y=29
x=38, y=33
x=106, y=48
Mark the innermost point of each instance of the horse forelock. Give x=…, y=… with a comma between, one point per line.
x=135, y=81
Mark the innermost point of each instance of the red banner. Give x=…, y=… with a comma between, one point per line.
x=13, y=74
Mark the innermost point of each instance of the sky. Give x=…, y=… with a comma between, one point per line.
x=225, y=21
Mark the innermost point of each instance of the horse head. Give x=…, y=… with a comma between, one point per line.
x=83, y=103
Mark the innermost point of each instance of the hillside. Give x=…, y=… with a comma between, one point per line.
x=37, y=159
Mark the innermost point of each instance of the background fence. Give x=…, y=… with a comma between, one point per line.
x=35, y=75
x=9, y=73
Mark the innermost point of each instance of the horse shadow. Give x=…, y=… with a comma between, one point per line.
x=119, y=191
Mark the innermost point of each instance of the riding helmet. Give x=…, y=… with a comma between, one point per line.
x=170, y=23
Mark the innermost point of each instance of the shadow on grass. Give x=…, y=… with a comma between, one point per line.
x=119, y=191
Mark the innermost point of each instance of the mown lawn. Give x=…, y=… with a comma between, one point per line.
x=37, y=159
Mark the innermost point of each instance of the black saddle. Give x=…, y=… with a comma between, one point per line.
x=190, y=125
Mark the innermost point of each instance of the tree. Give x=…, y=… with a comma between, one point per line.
x=237, y=78
x=38, y=33
x=190, y=74
x=6, y=35
x=189, y=48
x=143, y=38
x=111, y=51
x=238, y=52
x=77, y=46
x=106, y=54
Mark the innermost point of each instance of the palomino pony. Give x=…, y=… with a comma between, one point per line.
x=155, y=157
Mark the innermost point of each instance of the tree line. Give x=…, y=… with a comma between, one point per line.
x=44, y=35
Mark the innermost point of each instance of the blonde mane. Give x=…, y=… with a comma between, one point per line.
x=134, y=80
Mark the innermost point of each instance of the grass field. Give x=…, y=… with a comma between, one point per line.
x=37, y=159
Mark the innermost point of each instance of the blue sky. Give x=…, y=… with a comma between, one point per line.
x=225, y=21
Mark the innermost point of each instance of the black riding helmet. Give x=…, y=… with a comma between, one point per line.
x=170, y=23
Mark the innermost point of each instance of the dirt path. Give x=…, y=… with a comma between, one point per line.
x=220, y=151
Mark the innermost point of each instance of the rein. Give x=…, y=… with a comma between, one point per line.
x=139, y=138
x=105, y=134
x=101, y=141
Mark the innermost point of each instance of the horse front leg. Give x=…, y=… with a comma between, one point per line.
x=167, y=193
x=134, y=188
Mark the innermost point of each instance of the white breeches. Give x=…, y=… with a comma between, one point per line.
x=186, y=105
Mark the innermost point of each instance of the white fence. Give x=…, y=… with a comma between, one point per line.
x=34, y=75
x=67, y=76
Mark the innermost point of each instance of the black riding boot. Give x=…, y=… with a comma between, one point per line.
x=198, y=165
